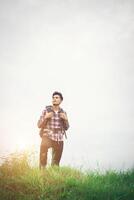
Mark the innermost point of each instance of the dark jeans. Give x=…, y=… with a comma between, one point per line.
x=57, y=149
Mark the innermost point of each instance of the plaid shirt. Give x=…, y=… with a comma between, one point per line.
x=55, y=127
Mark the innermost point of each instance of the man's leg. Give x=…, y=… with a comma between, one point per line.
x=45, y=144
x=57, y=150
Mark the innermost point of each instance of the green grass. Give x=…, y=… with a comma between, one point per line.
x=20, y=181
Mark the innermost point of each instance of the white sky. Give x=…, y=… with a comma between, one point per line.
x=83, y=49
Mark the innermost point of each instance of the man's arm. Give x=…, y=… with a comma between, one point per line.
x=42, y=121
x=65, y=120
x=44, y=118
x=66, y=124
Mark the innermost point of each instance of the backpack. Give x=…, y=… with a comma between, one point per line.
x=48, y=109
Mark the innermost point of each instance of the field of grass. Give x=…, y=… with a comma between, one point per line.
x=20, y=181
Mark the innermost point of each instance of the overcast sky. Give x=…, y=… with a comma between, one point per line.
x=84, y=49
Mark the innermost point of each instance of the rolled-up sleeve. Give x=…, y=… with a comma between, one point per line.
x=66, y=123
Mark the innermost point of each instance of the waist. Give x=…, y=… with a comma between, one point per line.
x=54, y=130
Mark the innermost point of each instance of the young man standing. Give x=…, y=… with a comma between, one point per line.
x=52, y=123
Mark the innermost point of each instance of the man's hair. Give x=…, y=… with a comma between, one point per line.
x=57, y=93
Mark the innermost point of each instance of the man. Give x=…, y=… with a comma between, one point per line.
x=53, y=123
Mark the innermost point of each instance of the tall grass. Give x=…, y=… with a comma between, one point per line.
x=21, y=181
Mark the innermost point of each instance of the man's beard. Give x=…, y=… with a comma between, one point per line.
x=55, y=104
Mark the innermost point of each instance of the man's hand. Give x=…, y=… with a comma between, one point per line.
x=63, y=116
x=48, y=115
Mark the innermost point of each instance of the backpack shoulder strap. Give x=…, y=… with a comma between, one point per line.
x=49, y=108
x=61, y=110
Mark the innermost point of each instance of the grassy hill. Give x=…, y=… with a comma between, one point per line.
x=20, y=181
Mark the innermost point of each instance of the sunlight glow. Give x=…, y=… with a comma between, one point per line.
x=23, y=143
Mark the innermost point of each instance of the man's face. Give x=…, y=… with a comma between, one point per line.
x=56, y=100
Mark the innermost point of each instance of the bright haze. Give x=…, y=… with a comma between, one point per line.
x=84, y=49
